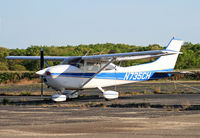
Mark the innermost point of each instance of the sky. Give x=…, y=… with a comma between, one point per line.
x=72, y=22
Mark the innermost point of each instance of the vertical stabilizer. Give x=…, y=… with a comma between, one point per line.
x=169, y=61
x=164, y=62
x=175, y=45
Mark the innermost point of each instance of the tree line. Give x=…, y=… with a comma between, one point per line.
x=189, y=59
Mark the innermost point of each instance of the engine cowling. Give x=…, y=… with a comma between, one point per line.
x=110, y=95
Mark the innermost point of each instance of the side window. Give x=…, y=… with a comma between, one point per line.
x=92, y=66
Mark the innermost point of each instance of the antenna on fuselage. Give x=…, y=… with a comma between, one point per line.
x=87, y=52
x=102, y=51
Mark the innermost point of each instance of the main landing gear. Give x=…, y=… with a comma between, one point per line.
x=109, y=95
x=69, y=94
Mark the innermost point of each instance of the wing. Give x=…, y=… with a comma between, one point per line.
x=52, y=58
x=130, y=55
x=106, y=57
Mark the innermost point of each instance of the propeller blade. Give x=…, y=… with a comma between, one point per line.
x=41, y=59
x=41, y=67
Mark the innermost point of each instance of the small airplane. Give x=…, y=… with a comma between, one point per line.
x=77, y=73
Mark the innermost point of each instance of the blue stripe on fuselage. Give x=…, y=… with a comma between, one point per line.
x=81, y=75
x=129, y=76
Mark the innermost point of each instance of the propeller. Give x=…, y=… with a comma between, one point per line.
x=41, y=67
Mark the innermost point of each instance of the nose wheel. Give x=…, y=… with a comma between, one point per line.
x=58, y=98
x=67, y=94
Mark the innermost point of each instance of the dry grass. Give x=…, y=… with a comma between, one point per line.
x=22, y=82
x=78, y=105
x=157, y=90
x=175, y=91
x=186, y=105
x=25, y=93
x=26, y=81
x=8, y=94
x=129, y=93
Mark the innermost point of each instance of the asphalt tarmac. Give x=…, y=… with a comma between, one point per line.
x=144, y=116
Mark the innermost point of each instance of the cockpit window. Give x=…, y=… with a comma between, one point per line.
x=92, y=67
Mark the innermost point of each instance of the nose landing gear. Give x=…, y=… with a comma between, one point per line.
x=67, y=94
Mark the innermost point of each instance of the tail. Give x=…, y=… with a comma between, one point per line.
x=164, y=63
x=168, y=62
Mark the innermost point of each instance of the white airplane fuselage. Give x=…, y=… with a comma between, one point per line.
x=63, y=77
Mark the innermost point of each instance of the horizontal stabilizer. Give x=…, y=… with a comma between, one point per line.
x=175, y=72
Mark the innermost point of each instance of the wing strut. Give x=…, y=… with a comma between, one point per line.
x=98, y=72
